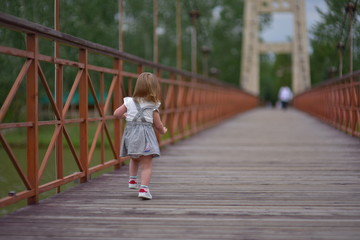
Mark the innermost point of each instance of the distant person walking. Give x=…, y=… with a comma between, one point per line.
x=139, y=140
x=285, y=96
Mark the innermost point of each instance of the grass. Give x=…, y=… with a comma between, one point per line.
x=17, y=136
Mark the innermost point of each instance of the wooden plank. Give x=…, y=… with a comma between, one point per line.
x=291, y=178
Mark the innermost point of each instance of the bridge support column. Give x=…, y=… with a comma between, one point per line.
x=83, y=109
x=32, y=117
x=249, y=77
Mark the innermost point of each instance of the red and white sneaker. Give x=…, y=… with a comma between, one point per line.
x=133, y=184
x=144, y=193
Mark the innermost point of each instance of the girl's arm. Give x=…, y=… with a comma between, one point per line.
x=120, y=112
x=158, y=124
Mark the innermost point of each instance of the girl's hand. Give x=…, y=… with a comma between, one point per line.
x=158, y=124
x=124, y=115
x=164, y=130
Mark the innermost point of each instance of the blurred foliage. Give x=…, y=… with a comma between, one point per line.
x=219, y=28
x=331, y=29
x=97, y=21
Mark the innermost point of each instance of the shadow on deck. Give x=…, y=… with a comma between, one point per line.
x=265, y=174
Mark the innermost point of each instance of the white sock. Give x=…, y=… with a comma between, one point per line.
x=132, y=178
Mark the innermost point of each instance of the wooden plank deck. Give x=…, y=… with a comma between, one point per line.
x=265, y=174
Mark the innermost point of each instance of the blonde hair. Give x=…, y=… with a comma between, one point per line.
x=147, y=88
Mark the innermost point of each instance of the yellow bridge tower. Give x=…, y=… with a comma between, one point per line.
x=252, y=47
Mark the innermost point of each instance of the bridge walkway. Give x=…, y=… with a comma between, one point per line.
x=265, y=174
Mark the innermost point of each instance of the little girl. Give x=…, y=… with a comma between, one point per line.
x=139, y=139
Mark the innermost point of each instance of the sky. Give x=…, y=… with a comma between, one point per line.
x=282, y=24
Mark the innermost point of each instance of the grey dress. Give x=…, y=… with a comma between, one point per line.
x=139, y=137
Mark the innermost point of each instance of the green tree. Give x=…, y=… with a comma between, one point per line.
x=10, y=66
x=220, y=28
x=331, y=29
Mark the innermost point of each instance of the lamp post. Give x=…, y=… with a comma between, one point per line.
x=194, y=14
x=340, y=46
x=205, y=50
x=350, y=9
x=178, y=35
x=121, y=26
x=155, y=26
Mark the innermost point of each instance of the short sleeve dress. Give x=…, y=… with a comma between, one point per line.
x=139, y=137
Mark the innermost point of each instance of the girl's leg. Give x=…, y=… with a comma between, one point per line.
x=146, y=169
x=134, y=166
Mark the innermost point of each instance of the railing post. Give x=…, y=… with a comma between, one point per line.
x=196, y=112
x=158, y=75
x=180, y=107
x=83, y=108
x=101, y=102
x=140, y=68
x=59, y=99
x=168, y=105
x=192, y=114
x=117, y=102
x=59, y=141
x=352, y=114
x=32, y=117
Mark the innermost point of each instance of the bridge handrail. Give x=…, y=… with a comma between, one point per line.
x=190, y=103
x=336, y=102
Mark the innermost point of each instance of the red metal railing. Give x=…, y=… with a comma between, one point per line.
x=190, y=103
x=336, y=102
